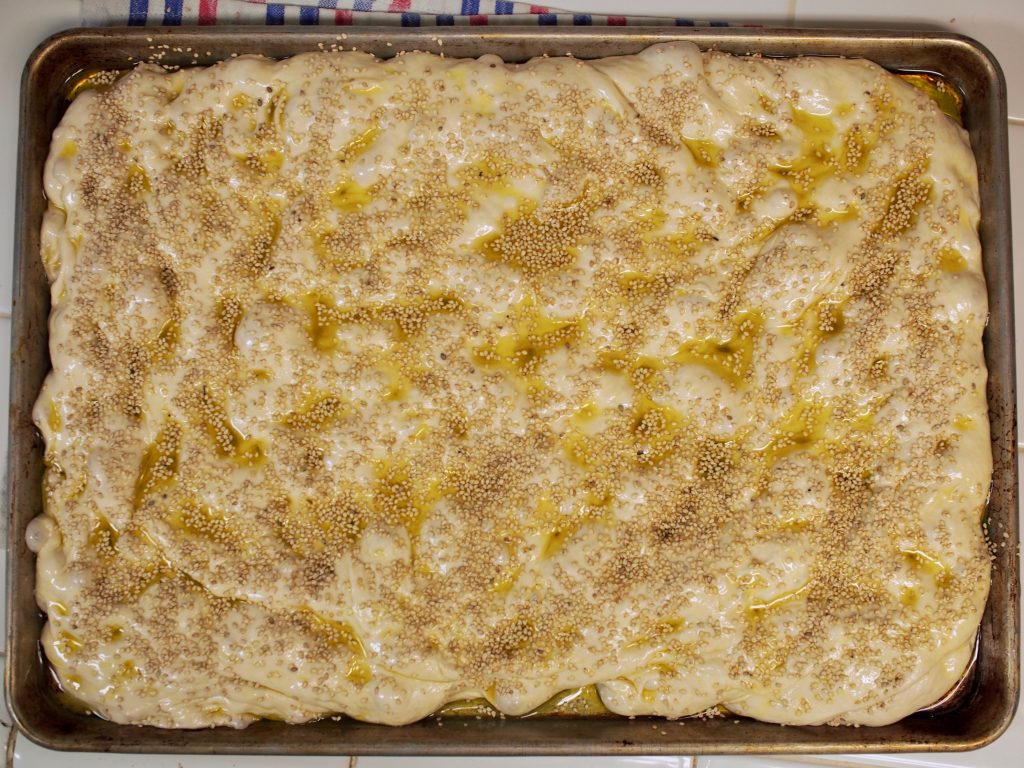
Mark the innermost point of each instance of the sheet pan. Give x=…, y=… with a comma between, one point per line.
x=985, y=703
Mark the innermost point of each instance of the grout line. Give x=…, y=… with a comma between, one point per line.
x=791, y=12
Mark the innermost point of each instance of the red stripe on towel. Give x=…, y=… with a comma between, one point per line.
x=207, y=12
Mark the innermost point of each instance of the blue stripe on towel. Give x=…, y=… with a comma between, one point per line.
x=275, y=14
x=137, y=12
x=172, y=13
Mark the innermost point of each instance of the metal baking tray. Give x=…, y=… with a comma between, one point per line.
x=981, y=710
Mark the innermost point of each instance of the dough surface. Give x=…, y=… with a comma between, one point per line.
x=384, y=384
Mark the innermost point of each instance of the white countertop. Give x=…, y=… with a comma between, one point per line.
x=999, y=24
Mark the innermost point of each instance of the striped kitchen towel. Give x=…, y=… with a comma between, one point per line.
x=407, y=13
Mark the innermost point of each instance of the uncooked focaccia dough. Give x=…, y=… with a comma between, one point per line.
x=383, y=384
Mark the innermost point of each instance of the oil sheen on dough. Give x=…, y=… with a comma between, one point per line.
x=384, y=384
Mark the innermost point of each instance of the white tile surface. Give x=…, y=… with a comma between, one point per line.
x=28, y=755
x=703, y=10
x=1017, y=204
x=996, y=756
x=761, y=761
x=521, y=762
x=998, y=24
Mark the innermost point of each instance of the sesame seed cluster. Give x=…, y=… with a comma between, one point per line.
x=382, y=385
